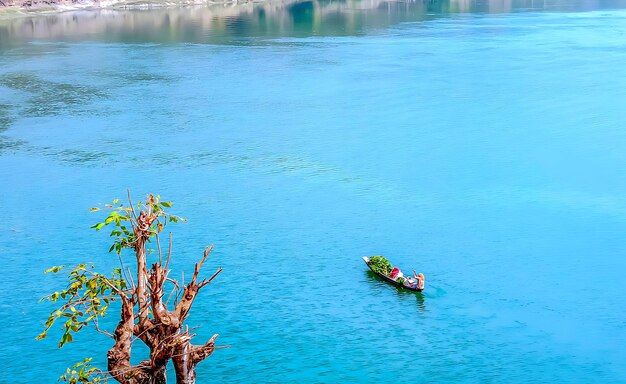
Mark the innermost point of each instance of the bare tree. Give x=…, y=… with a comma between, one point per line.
x=146, y=313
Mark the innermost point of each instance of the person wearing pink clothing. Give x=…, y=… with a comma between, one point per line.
x=396, y=273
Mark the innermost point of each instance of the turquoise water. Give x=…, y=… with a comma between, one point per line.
x=481, y=143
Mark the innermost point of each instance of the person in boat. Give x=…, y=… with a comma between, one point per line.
x=421, y=281
x=416, y=282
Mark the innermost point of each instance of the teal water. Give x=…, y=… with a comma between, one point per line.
x=481, y=143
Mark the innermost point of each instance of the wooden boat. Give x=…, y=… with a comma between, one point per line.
x=389, y=279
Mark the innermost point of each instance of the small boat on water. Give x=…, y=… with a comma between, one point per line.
x=389, y=279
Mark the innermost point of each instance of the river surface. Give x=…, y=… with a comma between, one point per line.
x=481, y=143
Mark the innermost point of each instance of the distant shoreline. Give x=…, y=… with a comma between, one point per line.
x=27, y=5
x=9, y=8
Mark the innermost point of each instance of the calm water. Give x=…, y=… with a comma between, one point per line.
x=482, y=143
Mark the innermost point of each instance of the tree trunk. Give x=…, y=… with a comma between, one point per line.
x=160, y=376
x=142, y=233
x=187, y=356
x=163, y=333
x=184, y=365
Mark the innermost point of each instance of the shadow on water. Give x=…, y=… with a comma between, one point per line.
x=5, y=116
x=252, y=23
x=6, y=120
x=35, y=97
x=47, y=98
x=402, y=293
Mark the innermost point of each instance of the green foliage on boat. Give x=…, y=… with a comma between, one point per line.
x=380, y=264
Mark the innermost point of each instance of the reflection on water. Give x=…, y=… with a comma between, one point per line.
x=419, y=296
x=232, y=22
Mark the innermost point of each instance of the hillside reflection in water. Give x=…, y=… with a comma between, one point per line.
x=234, y=23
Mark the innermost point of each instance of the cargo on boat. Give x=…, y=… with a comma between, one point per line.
x=389, y=280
